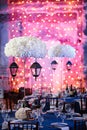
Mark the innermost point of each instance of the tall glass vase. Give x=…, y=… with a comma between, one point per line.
x=25, y=58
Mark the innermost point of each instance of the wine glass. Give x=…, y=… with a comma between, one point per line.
x=42, y=103
x=19, y=104
x=62, y=116
x=68, y=108
x=35, y=114
x=40, y=120
x=38, y=116
x=4, y=113
x=60, y=106
x=57, y=114
x=64, y=97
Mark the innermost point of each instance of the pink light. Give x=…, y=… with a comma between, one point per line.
x=51, y=27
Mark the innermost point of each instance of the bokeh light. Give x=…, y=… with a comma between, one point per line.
x=51, y=22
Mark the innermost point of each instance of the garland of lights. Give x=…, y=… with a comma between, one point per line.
x=44, y=21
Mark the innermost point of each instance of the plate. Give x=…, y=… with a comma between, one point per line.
x=76, y=114
x=58, y=124
x=69, y=118
x=16, y=121
x=78, y=118
x=50, y=111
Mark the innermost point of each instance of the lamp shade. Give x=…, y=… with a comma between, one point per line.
x=35, y=69
x=68, y=65
x=54, y=64
x=13, y=69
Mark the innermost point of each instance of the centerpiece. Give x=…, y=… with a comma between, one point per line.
x=25, y=47
x=60, y=50
x=23, y=113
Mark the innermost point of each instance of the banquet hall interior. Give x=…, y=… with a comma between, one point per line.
x=43, y=58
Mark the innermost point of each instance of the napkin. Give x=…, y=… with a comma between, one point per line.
x=4, y=125
x=64, y=128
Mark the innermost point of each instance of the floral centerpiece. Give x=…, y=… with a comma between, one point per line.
x=55, y=50
x=60, y=50
x=21, y=113
x=25, y=47
x=67, y=51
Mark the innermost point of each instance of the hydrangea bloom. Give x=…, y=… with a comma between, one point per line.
x=60, y=50
x=55, y=51
x=25, y=47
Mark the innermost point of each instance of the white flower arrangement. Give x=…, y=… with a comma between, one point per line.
x=21, y=113
x=55, y=51
x=68, y=51
x=37, y=48
x=25, y=47
x=60, y=50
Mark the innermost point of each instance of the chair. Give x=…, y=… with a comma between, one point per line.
x=23, y=125
x=83, y=105
x=77, y=108
x=47, y=106
x=80, y=124
x=50, y=103
x=54, y=101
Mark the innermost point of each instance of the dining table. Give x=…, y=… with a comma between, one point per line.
x=50, y=121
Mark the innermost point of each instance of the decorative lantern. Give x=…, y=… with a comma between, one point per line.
x=54, y=64
x=13, y=69
x=35, y=69
x=68, y=65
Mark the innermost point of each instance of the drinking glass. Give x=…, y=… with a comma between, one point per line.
x=42, y=103
x=4, y=114
x=68, y=108
x=40, y=120
x=57, y=114
x=35, y=114
x=62, y=116
x=60, y=106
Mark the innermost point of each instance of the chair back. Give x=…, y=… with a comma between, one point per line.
x=24, y=125
x=77, y=108
x=83, y=105
x=80, y=124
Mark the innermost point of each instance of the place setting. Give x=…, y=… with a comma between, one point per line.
x=62, y=125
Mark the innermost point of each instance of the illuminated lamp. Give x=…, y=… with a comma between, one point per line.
x=54, y=65
x=13, y=69
x=68, y=65
x=35, y=69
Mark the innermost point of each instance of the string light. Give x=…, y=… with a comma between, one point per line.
x=50, y=24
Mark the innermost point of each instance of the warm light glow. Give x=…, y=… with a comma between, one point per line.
x=50, y=23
